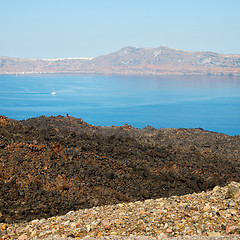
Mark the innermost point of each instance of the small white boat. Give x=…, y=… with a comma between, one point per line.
x=53, y=93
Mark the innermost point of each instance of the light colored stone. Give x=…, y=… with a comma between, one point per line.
x=23, y=237
x=88, y=228
x=214, y=234
x=34, y=222
x=42, y=221
x=206, y=208
x=169, y=230
x=216, y=188
x=232, y=229
x=67, y=223
x=70, y=212
x=233, y=211
x=162, y=236
x=72, y=224
x=106, y=224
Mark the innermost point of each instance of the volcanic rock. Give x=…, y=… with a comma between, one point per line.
x=52, y=165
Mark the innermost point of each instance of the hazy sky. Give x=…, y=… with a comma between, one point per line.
x=89, y=28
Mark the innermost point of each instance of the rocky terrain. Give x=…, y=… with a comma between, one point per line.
x=130, y=61
x=52, y=165
x=207, y=215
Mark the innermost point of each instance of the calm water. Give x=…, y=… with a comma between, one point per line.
x=209, y=102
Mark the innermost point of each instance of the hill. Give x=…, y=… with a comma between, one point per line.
x=130, y=61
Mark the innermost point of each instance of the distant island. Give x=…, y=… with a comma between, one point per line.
x=130, y=61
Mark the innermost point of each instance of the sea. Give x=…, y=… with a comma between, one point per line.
x=192, y=101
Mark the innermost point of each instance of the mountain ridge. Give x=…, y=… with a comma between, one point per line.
x=130, y=61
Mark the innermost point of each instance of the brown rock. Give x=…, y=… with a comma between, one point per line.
x=82, y=166
x=99, y=235
x=3, y=121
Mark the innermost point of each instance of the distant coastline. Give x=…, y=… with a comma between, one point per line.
x=129, y=61
x=118, y=74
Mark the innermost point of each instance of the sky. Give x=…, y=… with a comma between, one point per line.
x=90, y=28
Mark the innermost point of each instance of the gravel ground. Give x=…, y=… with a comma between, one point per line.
x=196, y=237
x=207, y=215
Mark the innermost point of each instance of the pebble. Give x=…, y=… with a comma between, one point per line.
x=4, y=227
x=88, y=228
x=213, y=213
x=34, y=222
x=169, y=230
x=106, y=224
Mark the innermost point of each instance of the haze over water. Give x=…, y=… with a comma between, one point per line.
x=208, y=102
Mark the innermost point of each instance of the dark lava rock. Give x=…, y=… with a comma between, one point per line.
x=51, y=165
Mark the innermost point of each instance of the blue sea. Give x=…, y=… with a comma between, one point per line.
x=208, y=102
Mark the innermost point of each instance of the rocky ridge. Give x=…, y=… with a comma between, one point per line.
x=52, y=165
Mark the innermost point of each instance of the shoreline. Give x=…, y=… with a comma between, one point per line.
x=123, y=125
x=122, y=74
